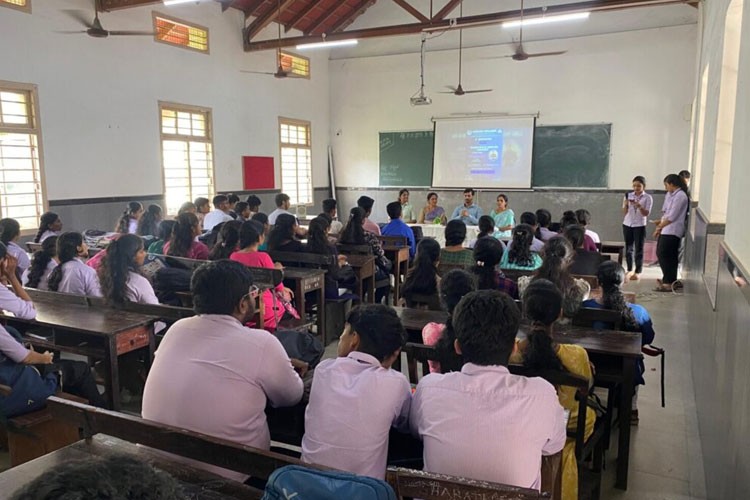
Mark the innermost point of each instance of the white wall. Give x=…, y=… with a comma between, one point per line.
x=99, y=97
x=642, y=82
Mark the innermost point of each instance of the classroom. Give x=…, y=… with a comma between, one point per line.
x=202, y=103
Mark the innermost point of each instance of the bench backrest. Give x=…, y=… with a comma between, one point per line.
x=63, y=298
x=304, y=258
x=393, y=241
x=514, y=274
x=256, y=462
x=162, y=311
x=346, y=248
x=587, y=316
x=262, y=277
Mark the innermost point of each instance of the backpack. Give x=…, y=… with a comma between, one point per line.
x=300, y=483
x=30, y=390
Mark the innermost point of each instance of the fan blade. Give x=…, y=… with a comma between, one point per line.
x=476, y=91
x=543, y=54
x=452, y=88
x=132, y=33
x=70, y=32
x=80, y=16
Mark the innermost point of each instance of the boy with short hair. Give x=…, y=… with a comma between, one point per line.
x=219, y=214
x=483, y=422
x=397, y=227
x=356, y=398
x=329, y=207
x=366, y=203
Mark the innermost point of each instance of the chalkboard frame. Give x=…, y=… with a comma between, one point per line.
x=427, y=167
x=605, y=170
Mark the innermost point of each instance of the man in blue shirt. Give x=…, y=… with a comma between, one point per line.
x=469, y=213
x=397, y=227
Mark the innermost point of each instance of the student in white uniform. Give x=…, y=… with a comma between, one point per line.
x=72, y=275
x=43, y=262
x=119, y=277
x=10, y=231
x=128, y=221
x=49, y=225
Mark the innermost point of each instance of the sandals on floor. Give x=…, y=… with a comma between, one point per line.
x=663, y=288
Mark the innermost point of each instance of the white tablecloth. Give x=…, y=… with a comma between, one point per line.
x=437, y=232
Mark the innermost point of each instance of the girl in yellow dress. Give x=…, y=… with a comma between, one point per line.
x=542, y=304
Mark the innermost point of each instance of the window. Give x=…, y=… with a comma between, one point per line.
x=297, y=65
x=296, y=160
x=187, y=154
x=24, y=5
x=21, y=195
x=180, y=33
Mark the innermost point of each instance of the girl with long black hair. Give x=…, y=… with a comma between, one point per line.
x=128, y=221
x=148, y=224
x=72, y=275
x=355, y=234
x=282, y=236
x=542, y=306
x=487, y=256
x=422, y=278
x=43, y=262
x=49, y=225
x=119, y=274
x=183, y=243
x=163, y=236
x=338, y=273
x=10, y=232
x=520, y=256
x=227, y=242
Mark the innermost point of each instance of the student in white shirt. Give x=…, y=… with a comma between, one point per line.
x=118, y=274
x=282, y=207
x=584, y=219
x=356, y=397
x=43, y=262
x=219, y=214
x=128, y=221
x=49, y=225
x=72, y=275
x=10, y=232
x=329, y=207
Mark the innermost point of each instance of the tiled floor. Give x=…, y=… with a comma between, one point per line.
x=666, y=459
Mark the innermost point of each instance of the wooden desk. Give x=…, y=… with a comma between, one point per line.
x=308, y=280
x=364, y=268
x=399, y=256
x=613, y=352
x=196, y=482
x=617, y=247
x=96, y=332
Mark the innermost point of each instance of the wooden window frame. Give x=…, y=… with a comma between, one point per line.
x=295, y=121
x=34, y=128
x=23, y=8
x=187, y=108
x=158, y=15
x=293, y=55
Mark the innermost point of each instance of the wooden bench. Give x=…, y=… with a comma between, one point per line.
x=514, y=274
x=37, y=433
x=259, y=463
x=348, y=249
x=397, y=250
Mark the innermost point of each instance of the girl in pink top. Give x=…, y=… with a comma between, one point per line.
x=251, y=237
x=454, y=285
x=183, y=242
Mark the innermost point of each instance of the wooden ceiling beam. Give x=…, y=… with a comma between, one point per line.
x=252, y=7
x=411, y=10
x=322, y=18
x=447, y=9
x=464, y=22
x=300, y=15
x=108, y=5
x=352, y=15
x=265, y=19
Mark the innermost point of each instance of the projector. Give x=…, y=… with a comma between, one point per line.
x=420, y=101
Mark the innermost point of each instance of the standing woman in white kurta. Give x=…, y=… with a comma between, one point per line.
x=119, y=274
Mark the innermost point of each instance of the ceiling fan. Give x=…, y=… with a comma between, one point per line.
x=459, y=90
x=94, y=28
x=522, y=55
x=280, y=71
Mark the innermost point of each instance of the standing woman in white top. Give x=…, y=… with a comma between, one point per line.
x=49, y=225
x=72, y=275
x=119, y=276
x=635, y=207
x=670, y=229
x=10, y=231
x=43, y=262
x=128, y=221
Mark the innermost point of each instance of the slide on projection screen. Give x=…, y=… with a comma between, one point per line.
x=483, y=153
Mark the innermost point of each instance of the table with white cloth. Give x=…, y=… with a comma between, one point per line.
x=437, y=233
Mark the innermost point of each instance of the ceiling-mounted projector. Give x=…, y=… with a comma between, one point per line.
x=420, y=100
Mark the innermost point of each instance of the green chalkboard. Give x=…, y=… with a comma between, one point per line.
x=571, y=156
x=406, y=158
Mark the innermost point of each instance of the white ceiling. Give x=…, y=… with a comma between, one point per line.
x=387, y=12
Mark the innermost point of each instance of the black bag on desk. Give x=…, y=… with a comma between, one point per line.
x=169, y=280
